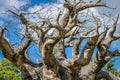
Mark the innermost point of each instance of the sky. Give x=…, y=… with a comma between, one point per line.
x=33, y=5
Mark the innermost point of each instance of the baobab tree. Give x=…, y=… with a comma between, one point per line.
x=67, y=32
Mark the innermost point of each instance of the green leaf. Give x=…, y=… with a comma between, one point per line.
x=9, y=71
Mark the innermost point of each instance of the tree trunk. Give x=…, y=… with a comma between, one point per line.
x=40, y=72
x=31, y=72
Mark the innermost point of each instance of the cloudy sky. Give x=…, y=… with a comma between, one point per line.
x=34, y=5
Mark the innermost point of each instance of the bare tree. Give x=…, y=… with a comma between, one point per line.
x=67, y=32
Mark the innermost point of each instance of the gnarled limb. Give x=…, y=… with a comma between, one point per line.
x=47, y=54
x=87, y=52
x=77, y=44
x=64, y=19
x=29, y=24
x=112, y=54
x=7, y=50
x=110, y=36
x=49, y=59
x=106, y=76
x=5, y=46
x=100, y=59
x=23, y=47
x=82, y=6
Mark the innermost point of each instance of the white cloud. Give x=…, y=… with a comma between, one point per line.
x=49, y=11
x=60, y=1
x=15, y=3
x=10, y=4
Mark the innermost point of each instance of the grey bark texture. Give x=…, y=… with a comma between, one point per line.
x=55, y=65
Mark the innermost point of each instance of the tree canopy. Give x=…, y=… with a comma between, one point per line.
x=8, y=71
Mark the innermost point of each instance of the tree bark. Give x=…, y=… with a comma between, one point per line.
x=54, y=64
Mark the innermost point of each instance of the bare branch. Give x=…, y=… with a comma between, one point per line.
x=48, y=57
x=110, y=36
x=98, y=1
x=58, y=18
x=101, y=38
x=64, y=19
x=112, y=54
x=67, y=5
x=13, y=12
x=82, y=6
x=2, y=31
x=106, y=75
x=71, y=35
x=114, y=27
x=20, y=15
x=72, y=23
x=7, y=50
x=116, y=37
x=4, y=43
x=23, y=47
x=30, y=24
x=77, y=44
x=87, y=52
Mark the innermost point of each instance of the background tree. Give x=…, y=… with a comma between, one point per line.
x=69, y=30
x=9, y=71
x=110, y=68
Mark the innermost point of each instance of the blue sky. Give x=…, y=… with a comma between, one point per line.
x=37, y=2
x=13, y=38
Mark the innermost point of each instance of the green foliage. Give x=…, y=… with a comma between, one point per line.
x=9, y=71
x=110, y=68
